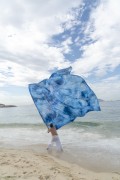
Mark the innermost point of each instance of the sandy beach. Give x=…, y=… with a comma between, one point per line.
x=27, y=164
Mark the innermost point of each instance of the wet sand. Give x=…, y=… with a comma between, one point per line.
x=20, y=164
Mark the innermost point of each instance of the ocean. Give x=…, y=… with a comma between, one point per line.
x=92, y=141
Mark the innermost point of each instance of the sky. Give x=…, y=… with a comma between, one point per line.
x=39, y=37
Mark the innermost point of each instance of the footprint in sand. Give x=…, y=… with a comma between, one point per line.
x=5, y=163
x=70, y=175
x=27, y=162
x=41, y=177
x=47, y=177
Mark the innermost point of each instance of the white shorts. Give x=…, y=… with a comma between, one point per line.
x=56, y=140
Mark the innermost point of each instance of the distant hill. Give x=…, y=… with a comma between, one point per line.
x=6, y=106
x=101, y=100
x=113, y=101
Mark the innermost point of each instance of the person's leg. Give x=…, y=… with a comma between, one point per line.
x=58, y=144
x=50, y=145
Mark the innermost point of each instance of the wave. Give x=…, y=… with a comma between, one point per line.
x=85, y=124
x=22, y=125
x=42, y=125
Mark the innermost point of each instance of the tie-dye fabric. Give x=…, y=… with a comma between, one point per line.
x=63, y=97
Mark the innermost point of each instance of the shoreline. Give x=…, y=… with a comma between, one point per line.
x=34, y=165
x=73, y=156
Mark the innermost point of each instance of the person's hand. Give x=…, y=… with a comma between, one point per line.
x=48, y=130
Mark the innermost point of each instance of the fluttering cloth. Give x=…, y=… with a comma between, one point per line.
x=63, y=97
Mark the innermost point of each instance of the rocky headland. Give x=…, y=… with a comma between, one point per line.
x=6, y=106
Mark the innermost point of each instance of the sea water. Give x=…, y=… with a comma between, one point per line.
x=92, y=141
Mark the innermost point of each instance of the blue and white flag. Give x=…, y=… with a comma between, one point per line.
x=63, y=97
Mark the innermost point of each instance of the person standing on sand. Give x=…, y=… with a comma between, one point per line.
x=55, y=138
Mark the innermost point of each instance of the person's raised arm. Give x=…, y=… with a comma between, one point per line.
x=48, y=130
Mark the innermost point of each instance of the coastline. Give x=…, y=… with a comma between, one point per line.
x=19, y=164
x=6, y=106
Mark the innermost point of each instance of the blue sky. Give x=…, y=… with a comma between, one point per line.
x=39, y=37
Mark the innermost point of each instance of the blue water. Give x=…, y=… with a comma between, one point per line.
x=92, y=141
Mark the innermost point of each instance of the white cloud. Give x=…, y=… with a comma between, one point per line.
x=108, y=89
x=65, y=45
x=26, y=29
x=104, y=29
